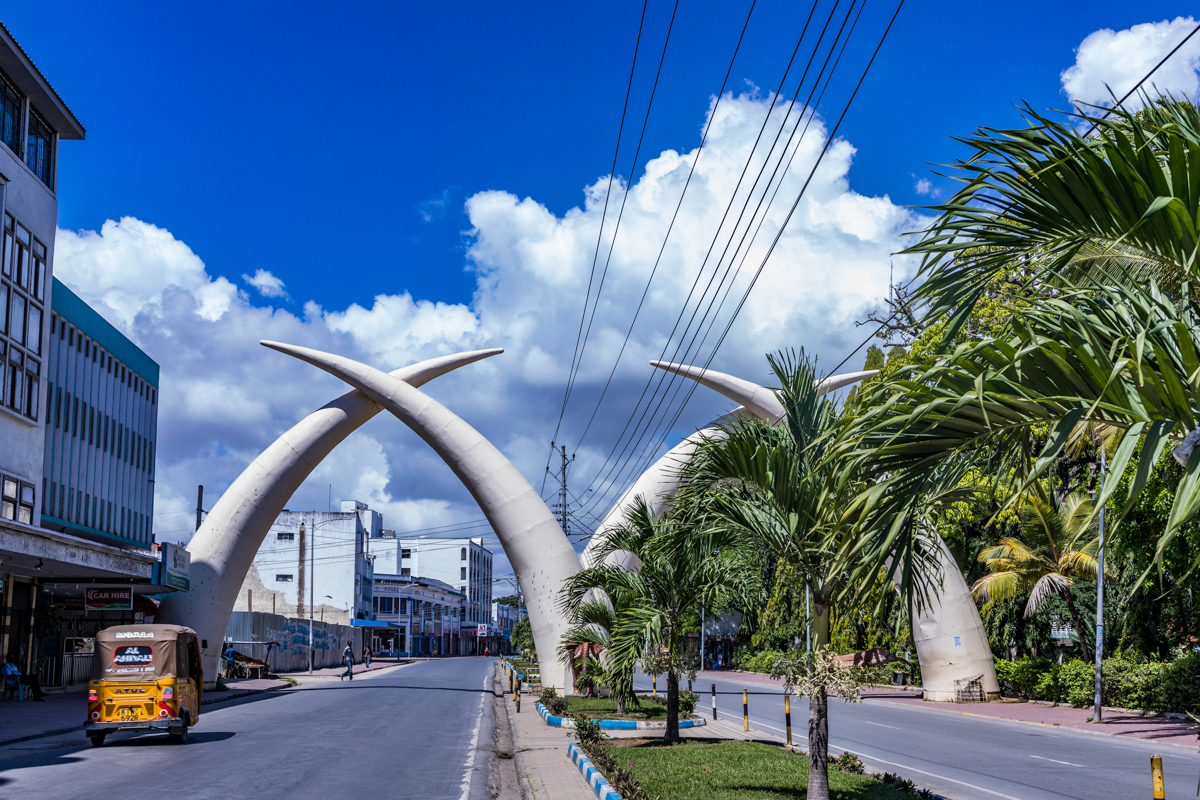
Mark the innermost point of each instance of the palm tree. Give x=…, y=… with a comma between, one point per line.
x=592, y=624
x=1056, y=548
x=680, y=567
x=785, y=489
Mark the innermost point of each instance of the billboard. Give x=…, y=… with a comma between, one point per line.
x=110, y=598
x=177, y=566
x=481, y=631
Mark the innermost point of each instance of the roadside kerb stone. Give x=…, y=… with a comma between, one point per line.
x=617, y=724
x=592, y=775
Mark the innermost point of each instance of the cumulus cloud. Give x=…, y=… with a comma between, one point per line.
x=267, y=284
x=1117, y=60
x=925, y=188
x=224, y=398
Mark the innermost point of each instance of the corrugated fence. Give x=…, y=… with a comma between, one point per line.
x=283, y=642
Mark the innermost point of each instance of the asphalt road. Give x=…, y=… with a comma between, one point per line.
x=966, y=757
x=417, y=731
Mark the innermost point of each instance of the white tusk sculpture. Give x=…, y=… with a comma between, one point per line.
x=541, y=555
x=948, y=634
x=223, y=548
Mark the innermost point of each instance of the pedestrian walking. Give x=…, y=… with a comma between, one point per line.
x=366, y=656
x=348, y=658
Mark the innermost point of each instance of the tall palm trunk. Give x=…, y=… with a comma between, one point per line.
x=672, y=707
x=818, y=713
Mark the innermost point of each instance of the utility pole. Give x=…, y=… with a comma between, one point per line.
x=199, y=505
x=1098, y=711
x=312, y=565
x=561, y=509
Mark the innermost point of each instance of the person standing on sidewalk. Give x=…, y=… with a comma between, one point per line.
x=13, y=678
x=229, y=661
x=348, y=658
x=366, y=656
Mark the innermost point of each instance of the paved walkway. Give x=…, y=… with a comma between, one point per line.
x=1117, y=722
x=541, y=755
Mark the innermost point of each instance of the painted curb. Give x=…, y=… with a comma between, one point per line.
x=590, y=774
x=616, y=724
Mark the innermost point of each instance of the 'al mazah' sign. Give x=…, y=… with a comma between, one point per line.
x=110, y=598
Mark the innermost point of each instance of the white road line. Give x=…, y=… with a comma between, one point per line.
x=469, y=767
x=941, y=777
x=1056, y=761
x=881, y=725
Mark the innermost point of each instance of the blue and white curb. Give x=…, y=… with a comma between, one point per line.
x=590, y=774
x=616, y=724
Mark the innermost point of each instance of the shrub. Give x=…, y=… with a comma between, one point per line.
x=587, y=731
x=1128, y=683
x=1023, y=675
x=848, y=762
x=554, y=704
x=756, y=662
x=687, y=703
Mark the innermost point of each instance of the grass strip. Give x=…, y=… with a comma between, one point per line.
x=729, y=770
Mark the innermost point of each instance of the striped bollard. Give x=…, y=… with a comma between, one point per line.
x=1156, y=775
x=787, y=717
x=714, y=697
x=654, y=683
x=745, y=710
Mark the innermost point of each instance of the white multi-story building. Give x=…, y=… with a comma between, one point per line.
x=419, y=616
x=316, y=558
x=464, y=564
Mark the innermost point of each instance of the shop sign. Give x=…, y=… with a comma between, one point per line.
x=481, y=631
x=111, y=598
x=177, y=566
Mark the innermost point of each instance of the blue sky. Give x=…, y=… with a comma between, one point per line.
x=417, y=180
x=286, y=137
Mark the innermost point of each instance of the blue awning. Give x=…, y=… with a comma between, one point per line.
x=367, y=623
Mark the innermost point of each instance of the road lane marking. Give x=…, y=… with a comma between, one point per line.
x=941, y=777
x=881, y=725
x=1056, y=761
x=470, y=765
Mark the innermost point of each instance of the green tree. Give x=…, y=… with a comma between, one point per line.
x=673, y=566
x=1056, y=547
x=522, y=638
x=783, y=488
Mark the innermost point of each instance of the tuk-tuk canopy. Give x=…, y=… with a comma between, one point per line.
x=144, y=653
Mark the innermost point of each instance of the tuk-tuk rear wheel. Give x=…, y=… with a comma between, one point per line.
x=97, y=739
x=180, y=735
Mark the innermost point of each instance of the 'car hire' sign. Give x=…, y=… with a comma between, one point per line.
x=110, y=598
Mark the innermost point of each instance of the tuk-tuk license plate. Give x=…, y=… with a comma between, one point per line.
x=127, y=714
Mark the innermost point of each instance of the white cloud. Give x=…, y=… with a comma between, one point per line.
x=435, y=207
x=224, y=398
x=1117, y=60
x=267, y=284
x=925, y=188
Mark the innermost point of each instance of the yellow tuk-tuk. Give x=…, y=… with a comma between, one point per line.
x=144, y=676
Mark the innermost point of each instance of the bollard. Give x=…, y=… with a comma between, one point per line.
x=518, y=698
x=510, y=682
x=714, y=696
x=689, y=684
x=745, y=711
x=787, y=717
x=1156, y=774
x=654, y=683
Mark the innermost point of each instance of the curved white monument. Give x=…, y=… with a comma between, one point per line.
x=948, y=634
x=540, y=553
x=224, y=547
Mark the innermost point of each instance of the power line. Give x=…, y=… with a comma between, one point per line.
x=670, y=379
x=699, y=275
x=603, y=215
x=831, y=137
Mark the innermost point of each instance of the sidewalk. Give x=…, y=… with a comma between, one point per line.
x=333, y=673
x=1117, y=722
x=543, y=766
x=63, y=713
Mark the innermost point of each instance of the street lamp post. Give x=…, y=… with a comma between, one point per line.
x=312, y=565
x=1098, y=711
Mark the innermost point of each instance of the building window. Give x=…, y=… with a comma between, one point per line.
x=39, y=151
x=403, y=605
x=284, y=537
x=462, y=573
x=283, y=578
x=406, y=553
x=8, y=498
x=12, y=112
x=464, y=554
x=405, y=572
